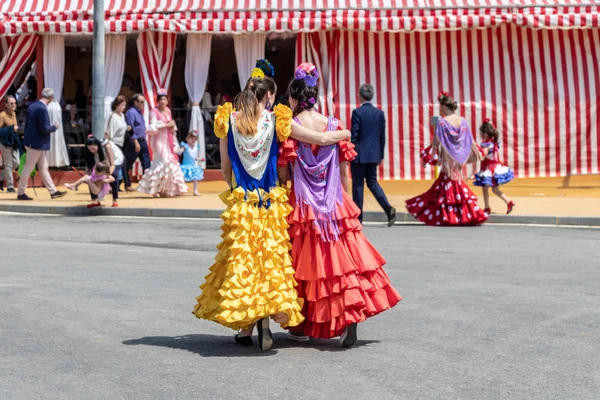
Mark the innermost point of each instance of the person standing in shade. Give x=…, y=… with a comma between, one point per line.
x=117, y=131
x=37, y=143
x=80, y=99
x=10, y=142
x=368, y=135
x=139, y=147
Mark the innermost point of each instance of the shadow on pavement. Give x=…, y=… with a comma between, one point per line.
x=331, y=345
x=203, y=345
x=225, y=346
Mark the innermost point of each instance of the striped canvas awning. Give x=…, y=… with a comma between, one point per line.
x=237, y=16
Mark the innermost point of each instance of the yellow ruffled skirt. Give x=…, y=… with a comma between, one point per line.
x=253, y=276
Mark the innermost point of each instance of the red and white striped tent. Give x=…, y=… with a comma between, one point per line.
x=529, y=65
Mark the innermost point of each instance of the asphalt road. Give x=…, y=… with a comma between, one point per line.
x=100, y=308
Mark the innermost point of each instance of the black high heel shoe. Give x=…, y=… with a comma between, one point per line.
x=265, y=338
x=350, y=336
x=245, y=341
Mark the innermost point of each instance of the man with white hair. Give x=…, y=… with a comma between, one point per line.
x=37, y=143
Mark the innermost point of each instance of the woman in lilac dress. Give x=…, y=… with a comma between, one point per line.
x=339, y=272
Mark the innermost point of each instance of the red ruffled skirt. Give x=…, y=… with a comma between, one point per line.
x=447, y=203
x=342, y=282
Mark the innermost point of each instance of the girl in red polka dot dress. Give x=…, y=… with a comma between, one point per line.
x=449, y=201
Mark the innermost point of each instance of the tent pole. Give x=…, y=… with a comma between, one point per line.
x=98, y=71
x=39, y=72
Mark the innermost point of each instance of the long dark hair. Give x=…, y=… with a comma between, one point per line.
x=490, y=130
x=247, y=104
x=305, y=95
x=90, y=160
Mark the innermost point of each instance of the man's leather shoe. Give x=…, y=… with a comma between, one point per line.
x=392, y=216
x=57, y=194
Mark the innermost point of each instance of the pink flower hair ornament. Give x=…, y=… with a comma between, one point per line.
x=307, y=73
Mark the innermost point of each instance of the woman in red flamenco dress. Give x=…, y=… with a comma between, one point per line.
x=449, y=201
x=339, y=272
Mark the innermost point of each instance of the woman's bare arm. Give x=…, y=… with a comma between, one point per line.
x=225, y=161
x=475, y=155
x=306, y=135
x=110, y=156
x=155, y=124
x=344, y=176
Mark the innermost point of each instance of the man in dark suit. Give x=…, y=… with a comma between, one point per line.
x=37, y=143
x=368, y=135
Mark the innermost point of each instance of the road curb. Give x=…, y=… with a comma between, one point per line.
x=369, y=216
x=109, y=211
x=502, y=219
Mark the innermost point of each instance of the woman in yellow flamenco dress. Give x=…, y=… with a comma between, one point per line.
x=252, y=279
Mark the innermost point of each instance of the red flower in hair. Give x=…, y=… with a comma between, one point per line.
x=487, y=120
x=443, y=93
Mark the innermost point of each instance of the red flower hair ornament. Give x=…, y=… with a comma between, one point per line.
x=488, y=121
